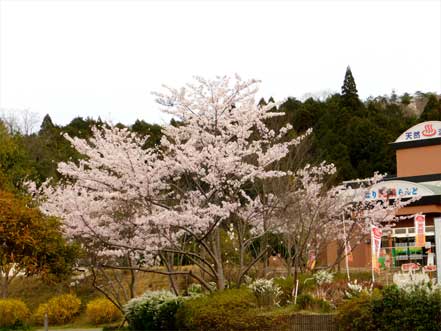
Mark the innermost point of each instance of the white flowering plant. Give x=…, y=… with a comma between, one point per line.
x=354, y=289
x=323, y=277
x=266, y=292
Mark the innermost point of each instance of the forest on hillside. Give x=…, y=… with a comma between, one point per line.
x=353, y=134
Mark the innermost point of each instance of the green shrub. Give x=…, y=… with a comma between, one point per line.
x=13, y=313
x=60, y=310
x=153, y=311
x=226, y=310
x=356, y=314
x=305, y=301
x=286, y=288
x=393, y=309
x=100, y=311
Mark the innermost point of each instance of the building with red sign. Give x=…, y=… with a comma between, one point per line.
x=412, y=240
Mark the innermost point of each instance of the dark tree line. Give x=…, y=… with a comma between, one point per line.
x=347, y=131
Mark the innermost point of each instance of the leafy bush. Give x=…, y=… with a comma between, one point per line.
x=286, y=289
x=308, y=302
x=100, y=311
x=153, y=311
x=357, y=314
x=60, y=309
x=417, y=308
x=305, y=301
x=13, y=313
x=266, y=292
x=226, y=310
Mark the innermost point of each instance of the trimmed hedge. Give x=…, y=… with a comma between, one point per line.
x=225, y=310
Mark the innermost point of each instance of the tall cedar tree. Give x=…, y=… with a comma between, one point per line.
x=349, y=90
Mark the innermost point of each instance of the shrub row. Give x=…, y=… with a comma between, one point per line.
x=232, y=309
x=14, y=313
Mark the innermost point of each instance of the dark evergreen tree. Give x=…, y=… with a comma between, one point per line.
x=145, y=129
x=349, y=92
x=349, y=88
x=262, y=102
x=47, y=124
x=432, y=110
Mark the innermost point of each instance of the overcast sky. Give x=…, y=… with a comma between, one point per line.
x=104, y=58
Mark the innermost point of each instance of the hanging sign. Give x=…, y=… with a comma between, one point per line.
x=376, y=234
x=420, y=230
x=397, y=189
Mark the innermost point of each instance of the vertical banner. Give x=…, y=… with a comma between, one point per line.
x=348, y=252
x=437, y=222
x=420, y=230
x=311, y=260
x=376, y=234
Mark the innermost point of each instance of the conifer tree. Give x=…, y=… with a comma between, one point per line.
x=46, y=124
x=349, y=89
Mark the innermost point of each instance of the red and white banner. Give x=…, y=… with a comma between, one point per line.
x=311, y=260
x=420, y=230
x=376, y=234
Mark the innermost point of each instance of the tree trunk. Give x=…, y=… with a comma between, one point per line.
x=220, y=276
x=5, y=280
x=296, y=269
x=5, y=286
x=266, y=256
x=289, y=259
x=132, y=283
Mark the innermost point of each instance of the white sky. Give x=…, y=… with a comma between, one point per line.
x=91, y=58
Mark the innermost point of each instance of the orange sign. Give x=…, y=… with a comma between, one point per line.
x=420, y=230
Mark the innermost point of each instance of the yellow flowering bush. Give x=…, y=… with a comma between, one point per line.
x=60, y=309
x=100, y=311
x=13, y=313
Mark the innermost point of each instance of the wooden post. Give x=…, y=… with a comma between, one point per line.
x=46, y=323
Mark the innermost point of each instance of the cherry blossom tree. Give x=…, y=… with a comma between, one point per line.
x=145, y=204
x=106, y=202
x=222, y=148
x=312, y=214
x=305, y=214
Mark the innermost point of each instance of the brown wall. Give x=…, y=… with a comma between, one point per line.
x=418, y=161
x=419, y=209
x=361, y=254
